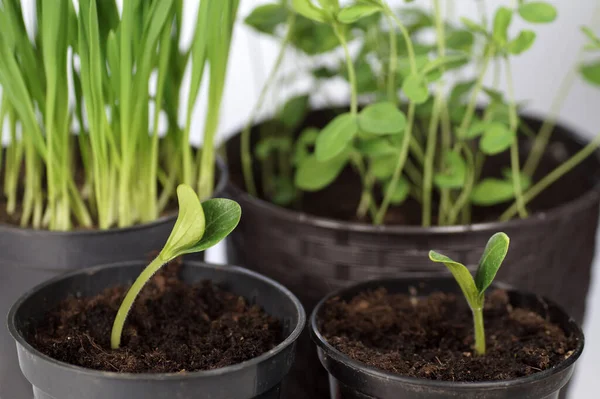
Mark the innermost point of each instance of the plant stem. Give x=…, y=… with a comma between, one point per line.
x=350, y=67
x=409, y=126
x=541, y=139
x=433, y=125
x=553, y=176
x=514, y=148
x=479, y=331
x=391, y=89
x=246, y=151
x=470, y=112
x=138, y=284
x=429, y=158
x=465, y=194
x=399, y=166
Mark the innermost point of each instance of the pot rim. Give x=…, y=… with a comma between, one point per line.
x=591, y=196
x=340, y=357
x=289, y=340
x=170, y=217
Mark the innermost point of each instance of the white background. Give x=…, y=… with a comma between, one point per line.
x=537, y=76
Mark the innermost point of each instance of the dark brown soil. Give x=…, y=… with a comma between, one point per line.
x=173, y=327
x=432, y=337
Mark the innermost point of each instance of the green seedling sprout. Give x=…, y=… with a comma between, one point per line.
x=199, y=226
x=474, y=289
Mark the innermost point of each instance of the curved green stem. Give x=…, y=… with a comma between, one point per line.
x=514, y=148
x=433, y=124
x=350, y=67
x=399, y=166
x=553, y=176
x=134, y=291
x=470, y=112
x=392, y=92
x=465, y=194
x=246, y=151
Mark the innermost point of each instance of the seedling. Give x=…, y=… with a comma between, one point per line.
x=418, y=136
x=199, y=226
x=474, y=289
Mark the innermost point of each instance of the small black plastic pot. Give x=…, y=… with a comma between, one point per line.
x=350, y=379
x=29, y=257
x=260, y=377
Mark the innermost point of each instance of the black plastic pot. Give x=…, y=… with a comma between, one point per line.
x=260, y=377
x=350, y=379
x=551, y=251
x=29, y=257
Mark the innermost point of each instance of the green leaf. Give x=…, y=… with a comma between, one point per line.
x=445, y=61
x=491, y=191
x=462, y=275
x=475, y=130
x=591, y=72
x=383, y=167
x=285, y=192
x=594, y=40
x=307, y=9
x=522, y=43
x=496, y=138
x=460, y=40
x=222, y=216
x=473, y=26
x=459, y=92
x=537, y=12
x=263, y=148
x=334, y=137
x=382, y=118
x=267, y=17
x=415, y=88
x=493, y=255
x=189, y=227
x=314, y=175
x=314, y=38
x=376, y=147
x=353, y=13
x=294, y=111
x=502, y=21
x=454, y=171
x=401, y=191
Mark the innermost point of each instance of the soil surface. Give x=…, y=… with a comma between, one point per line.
x=432, y=337
x=173, y=327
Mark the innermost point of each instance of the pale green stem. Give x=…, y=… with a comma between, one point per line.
x=409, y=127
x=553, y=176
x=351, y=70
x=479, y=331
x=433, y=124
x=136, y=288
x=392, y=91
x=246, y=151
x=514, y=148
x=470, y=112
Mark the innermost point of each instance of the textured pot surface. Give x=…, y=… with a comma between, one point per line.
x=551, y=252
x=260, y=377
x=29, y=257
x=350, y=379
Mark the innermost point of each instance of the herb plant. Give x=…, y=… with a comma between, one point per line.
x=418, y=136
x=474, y=289
x=115, y=79
x=199, y=226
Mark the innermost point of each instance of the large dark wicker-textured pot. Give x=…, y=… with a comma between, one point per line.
x=551, y=251
x=29, y=257
x=257, y=378
x=351, y=379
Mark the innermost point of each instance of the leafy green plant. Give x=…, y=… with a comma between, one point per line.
x=199, y=226
x=474, y=288
x=126, y=72
x=417, y=137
